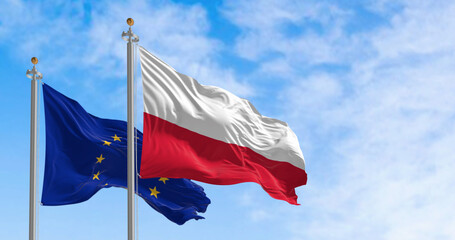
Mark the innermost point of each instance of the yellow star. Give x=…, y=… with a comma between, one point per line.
x=95, y=176
x=154, y=192
x=116, y=138
x=100, y=158
x=163, y=179
x=107, y=143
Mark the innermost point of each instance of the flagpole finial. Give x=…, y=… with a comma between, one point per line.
x=34, y=74
x=130, y=36
x=130, y=22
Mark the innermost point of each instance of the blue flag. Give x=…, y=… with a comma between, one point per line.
x=85, y=153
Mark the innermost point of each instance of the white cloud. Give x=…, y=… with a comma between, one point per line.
x=176, y=33
x=259, y=215
x=423, y=25
x=44, y=34
x=87, y=42
x=265, y=25
x=385, y=122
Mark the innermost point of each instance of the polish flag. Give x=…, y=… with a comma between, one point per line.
x=210, y=135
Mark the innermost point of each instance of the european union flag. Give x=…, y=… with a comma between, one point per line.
x=85, y=153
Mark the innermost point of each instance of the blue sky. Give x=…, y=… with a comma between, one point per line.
x=368, y=87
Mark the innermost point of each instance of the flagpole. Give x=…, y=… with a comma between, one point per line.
x=34, y=75
x=131, y=38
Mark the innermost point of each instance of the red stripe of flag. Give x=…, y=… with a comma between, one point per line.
x=188, y=154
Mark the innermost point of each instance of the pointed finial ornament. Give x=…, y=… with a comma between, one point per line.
x=130, y=22
x=34, y=60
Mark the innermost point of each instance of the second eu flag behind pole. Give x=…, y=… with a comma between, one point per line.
x=85, y=154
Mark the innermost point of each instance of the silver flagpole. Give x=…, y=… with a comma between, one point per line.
x=34, y=75
x=131, y=38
